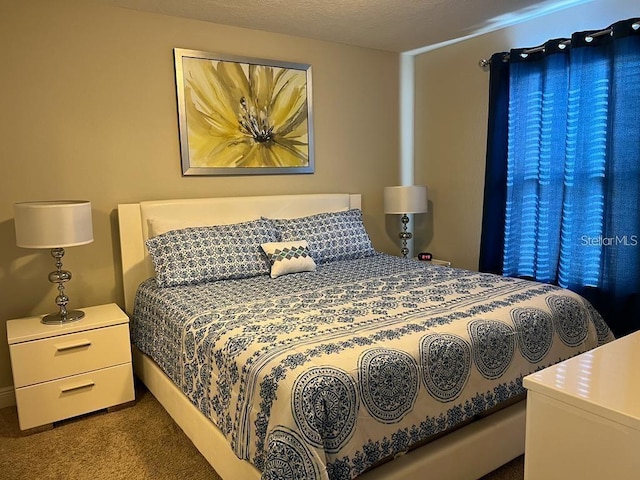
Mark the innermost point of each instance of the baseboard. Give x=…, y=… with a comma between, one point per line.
x=7, y=397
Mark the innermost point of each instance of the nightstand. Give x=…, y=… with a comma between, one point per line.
x=435, y=261
x=61, y=371
x=442, y=263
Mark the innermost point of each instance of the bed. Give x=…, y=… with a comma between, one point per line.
x=345, y=362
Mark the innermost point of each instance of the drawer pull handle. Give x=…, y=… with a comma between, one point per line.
x=73, y=345
x=88, y=384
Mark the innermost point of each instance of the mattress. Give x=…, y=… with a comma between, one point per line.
x=322, y=375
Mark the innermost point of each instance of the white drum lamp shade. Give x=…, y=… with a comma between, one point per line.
x=55, y=225
x=405, y=199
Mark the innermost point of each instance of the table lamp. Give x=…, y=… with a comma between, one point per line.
x=403, y=200
x=55, y=225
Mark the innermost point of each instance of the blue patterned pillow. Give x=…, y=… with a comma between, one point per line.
x=331, y=236
x=205, y=254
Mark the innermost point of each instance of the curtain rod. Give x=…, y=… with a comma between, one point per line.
x=484, y=63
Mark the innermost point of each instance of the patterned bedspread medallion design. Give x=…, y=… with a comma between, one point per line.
x=324, y=374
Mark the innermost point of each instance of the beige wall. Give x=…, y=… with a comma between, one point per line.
x=88, y=111
x=451, y=122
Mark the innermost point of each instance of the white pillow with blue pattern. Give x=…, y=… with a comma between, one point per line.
x=331, y=236
x=205, y=254
x=289, y=257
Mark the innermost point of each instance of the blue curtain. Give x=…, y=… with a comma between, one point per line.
x=566, y=194
x=495, y=178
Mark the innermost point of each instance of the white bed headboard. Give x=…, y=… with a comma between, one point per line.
x=134, y=218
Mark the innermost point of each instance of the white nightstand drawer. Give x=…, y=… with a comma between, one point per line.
x=68, y=397
x=65, y=355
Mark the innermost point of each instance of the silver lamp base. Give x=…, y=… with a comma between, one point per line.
x=59, y=318
x=61, y=277
x=405, y=235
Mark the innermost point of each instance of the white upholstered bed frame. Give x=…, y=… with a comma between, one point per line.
x=467, y=453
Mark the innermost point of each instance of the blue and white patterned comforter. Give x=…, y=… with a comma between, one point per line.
x=322, y=374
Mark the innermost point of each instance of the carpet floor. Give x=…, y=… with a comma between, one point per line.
x=136, y=443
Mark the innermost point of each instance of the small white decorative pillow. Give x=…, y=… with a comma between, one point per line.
x=288, y=257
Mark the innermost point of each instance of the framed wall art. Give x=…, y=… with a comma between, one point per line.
x=243, y=116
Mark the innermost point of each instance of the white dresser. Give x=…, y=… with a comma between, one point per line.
x=583, y=416
x=61, y=371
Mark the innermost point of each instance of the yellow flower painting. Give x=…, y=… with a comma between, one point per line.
x=239, y=116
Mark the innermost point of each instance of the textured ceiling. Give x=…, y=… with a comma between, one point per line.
x=394, y=25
